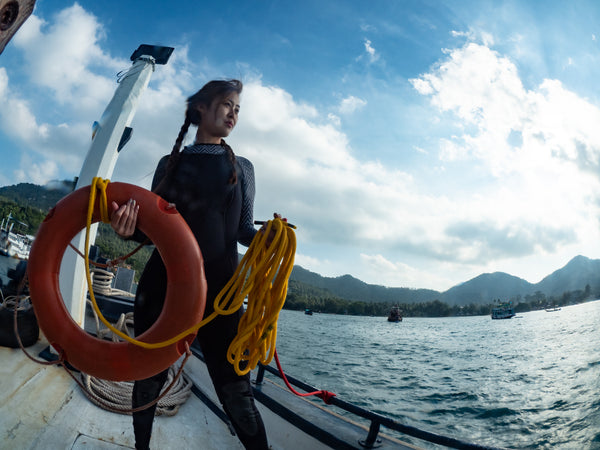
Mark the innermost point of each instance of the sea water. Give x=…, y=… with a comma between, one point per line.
x=530, y=382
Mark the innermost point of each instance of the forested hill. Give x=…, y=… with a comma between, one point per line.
x=41, y=197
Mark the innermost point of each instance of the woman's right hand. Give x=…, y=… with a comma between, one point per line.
x=124, y=218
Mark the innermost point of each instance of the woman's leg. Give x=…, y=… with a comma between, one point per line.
x=234, y=391
x=148, y=306
x=144, y=392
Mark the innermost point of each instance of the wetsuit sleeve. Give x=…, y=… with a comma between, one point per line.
x=246, y=229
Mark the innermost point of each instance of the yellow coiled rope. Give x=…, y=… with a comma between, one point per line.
x=262, y=276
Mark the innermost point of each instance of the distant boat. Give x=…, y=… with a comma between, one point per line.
x=552, y=308
x=13, y=243
x=395, y=315
x=503, y=311
x=308, y=312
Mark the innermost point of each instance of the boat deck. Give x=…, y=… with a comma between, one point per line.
x=42, y=407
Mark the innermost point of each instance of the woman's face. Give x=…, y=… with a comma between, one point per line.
x=218, y=119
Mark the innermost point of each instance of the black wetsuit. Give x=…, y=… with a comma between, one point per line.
x=213, y=208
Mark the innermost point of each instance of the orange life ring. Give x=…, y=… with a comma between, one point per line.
x=186, y=286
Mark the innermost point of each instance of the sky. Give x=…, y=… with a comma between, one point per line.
x=414, y=143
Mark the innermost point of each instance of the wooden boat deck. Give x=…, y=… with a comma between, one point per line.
x=41, y=407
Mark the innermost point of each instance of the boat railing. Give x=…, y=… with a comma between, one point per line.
x=376, y=420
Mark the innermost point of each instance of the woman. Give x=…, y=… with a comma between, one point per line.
x=214, y=191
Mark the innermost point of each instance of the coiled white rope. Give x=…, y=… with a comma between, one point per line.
x=116, y=395
x=102, y=283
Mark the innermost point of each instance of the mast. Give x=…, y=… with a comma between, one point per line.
x=111, y=133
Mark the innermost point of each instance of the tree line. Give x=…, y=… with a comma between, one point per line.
x=302, y=296
x=31, y=216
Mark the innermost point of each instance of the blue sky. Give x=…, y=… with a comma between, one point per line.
x=414, y=143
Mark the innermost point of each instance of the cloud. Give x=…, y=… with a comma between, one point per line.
x=53, y=100
x=16, y=116
x=483, y=90
x=38, y=173
x=489, y=241
x=69, y=66
x=351, y=104
x=370, y=51
x=388, y=273
x=539, y=148
x=365, y=27
x=475, y=35
x=380, y=263
x=335, y=120
x=309, y=261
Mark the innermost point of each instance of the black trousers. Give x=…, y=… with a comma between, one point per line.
x=234, y=391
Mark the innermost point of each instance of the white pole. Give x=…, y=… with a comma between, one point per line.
x=100, y=162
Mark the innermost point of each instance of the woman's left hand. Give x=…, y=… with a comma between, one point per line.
x=271, y=235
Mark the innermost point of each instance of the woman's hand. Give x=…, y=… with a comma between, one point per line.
x=271, y=235
x=124, y=218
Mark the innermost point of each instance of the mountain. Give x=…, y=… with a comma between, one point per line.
x=487, y=287
x=578, y=273
x=483, y=289
x=350, y=288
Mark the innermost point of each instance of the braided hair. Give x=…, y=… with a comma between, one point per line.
x=210, y=92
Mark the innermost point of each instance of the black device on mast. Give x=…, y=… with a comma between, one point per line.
x=160, y=54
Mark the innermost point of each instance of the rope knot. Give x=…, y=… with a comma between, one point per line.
x=100, y=185
x=326, y=396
